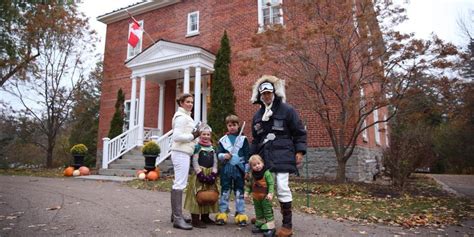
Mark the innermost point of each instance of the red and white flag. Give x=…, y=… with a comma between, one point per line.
x=136, y=33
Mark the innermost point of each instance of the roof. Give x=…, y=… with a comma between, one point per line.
x=134, y=9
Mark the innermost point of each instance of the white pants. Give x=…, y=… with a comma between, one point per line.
x=181, y=162
x=283, y=191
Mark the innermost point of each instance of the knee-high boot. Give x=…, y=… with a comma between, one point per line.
x=287, y=226
x=177, y=210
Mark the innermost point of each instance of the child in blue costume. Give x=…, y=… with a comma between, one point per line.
x=233, y=153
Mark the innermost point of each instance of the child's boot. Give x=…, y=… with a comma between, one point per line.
x=205, y=218
x=241, y=219
x=196, y=222
x=221, y=218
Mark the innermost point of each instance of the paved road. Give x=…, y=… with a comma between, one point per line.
x=33, y=206
x=462, y=185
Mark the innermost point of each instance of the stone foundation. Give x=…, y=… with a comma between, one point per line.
x=363, y=165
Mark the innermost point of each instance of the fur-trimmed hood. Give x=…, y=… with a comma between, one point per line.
x=278, y=85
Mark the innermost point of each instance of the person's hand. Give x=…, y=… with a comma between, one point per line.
x=201, y=177
x=269, y=196
x=246, y=197
x=247, y=176
x=196, y=134
x=299, y=158
x=211, y=179
x=227, y=156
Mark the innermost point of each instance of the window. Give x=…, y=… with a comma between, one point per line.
x=126, y=119
x=131, y=51
x=386, y=130
x=269, y=13
x=193, y=24
x=376, y=127
x=364, y=124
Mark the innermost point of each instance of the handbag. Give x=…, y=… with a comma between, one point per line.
x=207, y=197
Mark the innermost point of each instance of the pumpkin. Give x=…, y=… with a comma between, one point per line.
x=76, y=173
x=152, y=176
x=207, y=197
x=68, y=171
x=142, y=176
x=83, y=170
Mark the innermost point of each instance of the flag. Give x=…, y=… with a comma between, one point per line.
x=136, y=33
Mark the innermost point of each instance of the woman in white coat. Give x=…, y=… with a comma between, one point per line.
x=181, y=150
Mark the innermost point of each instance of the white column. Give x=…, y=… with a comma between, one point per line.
x=204, y=100
x=141, y=111
x=197, y=94
x=105, y=152
x=133, y=106
x=186, y=80
x=161, y=108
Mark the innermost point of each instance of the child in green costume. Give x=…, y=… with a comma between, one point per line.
x=261, y=186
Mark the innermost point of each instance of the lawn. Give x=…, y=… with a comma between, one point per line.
x=422, y=203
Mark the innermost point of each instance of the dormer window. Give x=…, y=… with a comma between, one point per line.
x=270, y=13
x=193, y=24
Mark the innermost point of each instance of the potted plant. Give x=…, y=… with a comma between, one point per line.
x=150, y=151
x=78, y=151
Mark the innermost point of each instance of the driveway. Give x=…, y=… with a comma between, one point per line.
x=33, y=206
x=461, y=185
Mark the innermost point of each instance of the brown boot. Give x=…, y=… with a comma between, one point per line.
x=287, y=226
x=284, y=232
x=196, y=222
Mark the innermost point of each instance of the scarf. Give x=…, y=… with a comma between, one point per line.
x=258, y=175
x=268, y=110
x=205, y=143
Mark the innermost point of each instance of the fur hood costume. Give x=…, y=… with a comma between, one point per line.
x=278, y=88
x=277, y=130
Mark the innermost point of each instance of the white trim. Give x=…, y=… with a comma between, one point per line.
x=141, y=111
x=189, y=31
x=386, y=130
x=139, y=46
x=197, y=94
x=376, y=127
x=134, y=10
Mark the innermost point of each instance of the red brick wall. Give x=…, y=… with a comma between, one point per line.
x=239, y=18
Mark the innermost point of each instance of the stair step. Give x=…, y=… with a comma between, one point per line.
x=118, y=172
x=127, y=166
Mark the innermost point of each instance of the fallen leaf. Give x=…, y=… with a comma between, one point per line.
x=53, y=208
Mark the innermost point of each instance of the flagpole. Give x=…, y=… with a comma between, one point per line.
x=146, y=33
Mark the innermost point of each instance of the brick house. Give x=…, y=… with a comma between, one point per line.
x=177, y=55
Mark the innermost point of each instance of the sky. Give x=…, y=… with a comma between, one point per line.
x=425, y=17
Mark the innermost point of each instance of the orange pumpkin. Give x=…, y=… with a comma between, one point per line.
x=152, y=176
x=68, y=171
x=84, y=170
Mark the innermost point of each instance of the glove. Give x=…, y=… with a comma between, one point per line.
x=211, y=179
x=234, y=160
x=201, y=177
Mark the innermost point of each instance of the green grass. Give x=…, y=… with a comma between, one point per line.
x=50, y=173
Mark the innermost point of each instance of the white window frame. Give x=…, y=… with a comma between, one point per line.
x=364, y=124
x=269, y=4
x=376, y=127
x=127, y=105
x=132, y=52
x=190, y=32
x=386, y=130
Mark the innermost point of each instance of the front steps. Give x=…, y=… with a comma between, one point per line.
x=131, y=162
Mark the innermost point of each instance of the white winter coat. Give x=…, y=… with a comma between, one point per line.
x=183, y=125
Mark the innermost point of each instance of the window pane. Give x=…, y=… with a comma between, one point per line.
x=276, y=15
x=266, y=16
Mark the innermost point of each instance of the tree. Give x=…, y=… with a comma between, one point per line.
x=85, y=114
x=49, y=97
x=22, y=25
x=116, y=125
x=222, y=91
x=344, y=61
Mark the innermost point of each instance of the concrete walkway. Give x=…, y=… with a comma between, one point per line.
x=460, y=185
x=34, y=206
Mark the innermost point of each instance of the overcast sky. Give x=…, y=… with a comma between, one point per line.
x=425, y=17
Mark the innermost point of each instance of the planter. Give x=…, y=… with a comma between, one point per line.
x=78, y=161
x=150, y=161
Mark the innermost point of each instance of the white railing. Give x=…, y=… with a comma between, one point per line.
x=148, y=133
x=118, y=146
x=165, y=144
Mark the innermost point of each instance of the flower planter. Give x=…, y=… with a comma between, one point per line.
x=78, y=161
x=150, y=161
